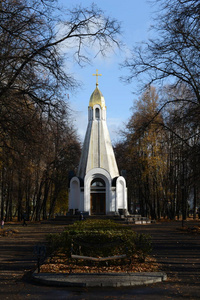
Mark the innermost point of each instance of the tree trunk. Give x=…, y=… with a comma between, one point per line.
x=194, y=202
x=38, y=202
x=2, y=193
x=44, y=204
x=20, y=211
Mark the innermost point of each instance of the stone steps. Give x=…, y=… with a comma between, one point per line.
x=130, y=219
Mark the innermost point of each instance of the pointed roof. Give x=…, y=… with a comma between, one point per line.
x=97, y=98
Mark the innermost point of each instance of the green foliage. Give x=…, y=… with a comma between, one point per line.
x=62, y=201
x=100, y=238
x=142, y=245
x=95, y=224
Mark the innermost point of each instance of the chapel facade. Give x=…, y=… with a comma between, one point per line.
x=97, y=189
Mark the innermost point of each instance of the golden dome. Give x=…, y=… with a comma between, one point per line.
x=97, y=98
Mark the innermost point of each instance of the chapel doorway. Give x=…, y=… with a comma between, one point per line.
x=98, y=197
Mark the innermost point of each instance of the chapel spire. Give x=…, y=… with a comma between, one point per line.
x=98, y=189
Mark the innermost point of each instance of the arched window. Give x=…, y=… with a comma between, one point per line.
x=97, y=113
x=98, y=182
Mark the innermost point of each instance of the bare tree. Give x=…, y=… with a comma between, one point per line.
x=36, y=44
x=171, y=58
x=173, y=52
x=38, y=144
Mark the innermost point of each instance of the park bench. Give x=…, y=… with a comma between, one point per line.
x=98, y=259
x=95, y=259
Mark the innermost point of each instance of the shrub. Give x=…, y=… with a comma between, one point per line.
x=100, y=238
x=142, y=246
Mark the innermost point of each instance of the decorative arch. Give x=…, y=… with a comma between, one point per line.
x=99, y=175
x=74, y=199
x=98, y=196
x=97, y=112
x=121, y=193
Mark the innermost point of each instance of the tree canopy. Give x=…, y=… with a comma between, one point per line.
x=38, y=142
x=170, y=60
x=172, y=55
x=37, y=42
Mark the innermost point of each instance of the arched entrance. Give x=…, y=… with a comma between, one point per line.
x=98, y=197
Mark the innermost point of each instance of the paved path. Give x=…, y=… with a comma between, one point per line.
x=177, y=251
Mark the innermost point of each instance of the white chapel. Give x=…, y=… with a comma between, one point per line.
x=97, y=189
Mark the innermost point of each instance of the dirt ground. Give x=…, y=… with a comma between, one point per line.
x=177, y=251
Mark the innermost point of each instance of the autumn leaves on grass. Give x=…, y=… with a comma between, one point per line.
x=116, y=248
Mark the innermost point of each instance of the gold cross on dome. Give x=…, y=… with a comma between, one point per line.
x=97, y=77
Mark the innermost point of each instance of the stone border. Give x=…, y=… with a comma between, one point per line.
x=99, y=279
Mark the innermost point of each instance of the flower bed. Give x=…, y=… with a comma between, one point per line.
x=97, y=239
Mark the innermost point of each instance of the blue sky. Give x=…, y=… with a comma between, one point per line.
x=136, y=18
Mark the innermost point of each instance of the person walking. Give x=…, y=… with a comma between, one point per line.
x=2, y=224
x=24, y=220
